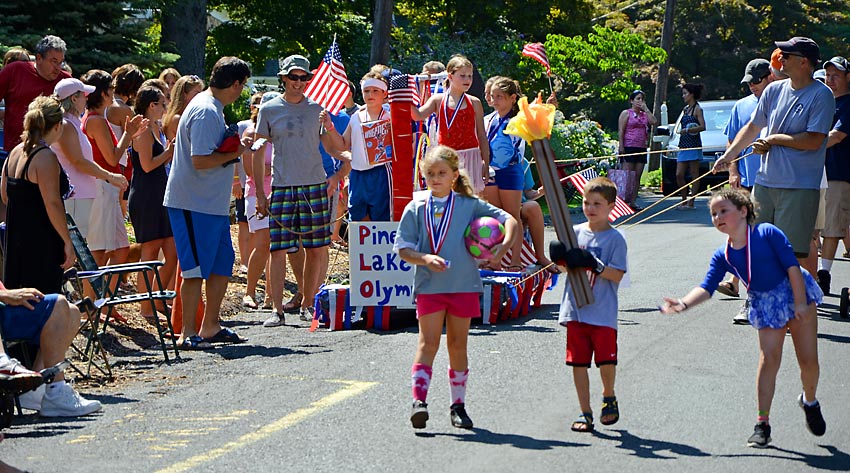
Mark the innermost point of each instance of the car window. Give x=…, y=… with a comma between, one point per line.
x=716, y=117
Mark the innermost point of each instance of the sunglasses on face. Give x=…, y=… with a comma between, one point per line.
x=787, y=55
x=297, y=77
x=757, y=81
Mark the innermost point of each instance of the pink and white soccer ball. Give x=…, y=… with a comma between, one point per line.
x=483, y=237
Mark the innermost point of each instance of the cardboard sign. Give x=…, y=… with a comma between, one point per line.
x=379, y=277
x=377, y=136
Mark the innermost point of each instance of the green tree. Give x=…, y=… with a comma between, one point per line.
x=262, y=30
x=601, y=65
x=100, y=34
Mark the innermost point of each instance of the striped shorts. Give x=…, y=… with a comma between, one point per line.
x=300, y=213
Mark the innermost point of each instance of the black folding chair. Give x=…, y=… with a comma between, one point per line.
x=105, y=282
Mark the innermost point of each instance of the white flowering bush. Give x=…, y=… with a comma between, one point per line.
x=583, y=140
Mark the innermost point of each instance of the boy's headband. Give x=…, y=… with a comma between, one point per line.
x=372, y=82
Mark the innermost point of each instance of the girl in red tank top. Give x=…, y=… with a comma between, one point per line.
x=461, y=122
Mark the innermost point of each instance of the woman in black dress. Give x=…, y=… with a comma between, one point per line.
x=38, y=246
x=150, y=153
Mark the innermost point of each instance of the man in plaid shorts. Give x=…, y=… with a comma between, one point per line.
x=299, y=207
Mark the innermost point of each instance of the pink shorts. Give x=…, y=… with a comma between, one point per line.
x=459, y=304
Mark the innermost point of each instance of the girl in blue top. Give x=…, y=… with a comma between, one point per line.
x=782, y=297
x=446, y=280
x=504, y=190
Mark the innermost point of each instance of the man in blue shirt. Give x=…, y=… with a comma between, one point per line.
x=837, y=168
x=797, y=114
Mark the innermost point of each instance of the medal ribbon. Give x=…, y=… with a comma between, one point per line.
x=454, y=114
x=749, y=259
x=437, y=232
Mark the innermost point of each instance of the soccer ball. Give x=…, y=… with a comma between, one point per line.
x=483, y=237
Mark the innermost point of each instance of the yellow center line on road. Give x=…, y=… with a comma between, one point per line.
x=351, y=389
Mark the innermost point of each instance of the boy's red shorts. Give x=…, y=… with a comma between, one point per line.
x=585, y=341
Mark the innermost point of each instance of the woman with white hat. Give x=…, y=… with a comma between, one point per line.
x=75, y=153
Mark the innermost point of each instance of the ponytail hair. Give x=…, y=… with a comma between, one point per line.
x=43, y=114
x=458, y=61
x=509, y=87
x=462, y=185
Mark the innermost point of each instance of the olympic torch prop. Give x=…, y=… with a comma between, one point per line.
x=534, y=124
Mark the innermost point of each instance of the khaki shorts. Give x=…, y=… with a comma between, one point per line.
x=837, y=209
x=794, y=211
x=80, y=211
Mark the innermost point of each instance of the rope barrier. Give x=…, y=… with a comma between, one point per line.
x=706, y=190
x=676, y=192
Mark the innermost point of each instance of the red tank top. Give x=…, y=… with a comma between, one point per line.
x=98, y=156
x=457, y=127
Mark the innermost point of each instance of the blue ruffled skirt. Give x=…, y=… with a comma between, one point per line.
x=775, y=307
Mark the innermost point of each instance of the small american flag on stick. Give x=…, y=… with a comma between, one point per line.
x=580, y=179
x=403, y=89
x=537, y=52
x=329, y=87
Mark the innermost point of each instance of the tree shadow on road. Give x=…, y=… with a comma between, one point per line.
x=648, y=448
x=485, y=436
x=835, y=461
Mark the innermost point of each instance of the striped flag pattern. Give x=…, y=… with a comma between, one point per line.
x=403, y=89
x=579, y=180
x=537, y=52
x=329, y=87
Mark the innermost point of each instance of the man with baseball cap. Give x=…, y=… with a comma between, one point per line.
x=837, y=168
x=757, y=75
x=299, y=206
x=797, y=114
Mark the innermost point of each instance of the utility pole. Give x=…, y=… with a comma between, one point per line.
x=663, y=71
x=380, y=52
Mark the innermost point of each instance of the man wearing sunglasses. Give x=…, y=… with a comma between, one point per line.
x=797, y=114
x=837, y=167
x=299, y=207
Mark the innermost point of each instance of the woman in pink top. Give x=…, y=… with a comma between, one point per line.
x=259, y=227
x=634, y=126
x=461, y=122
x=75, y=154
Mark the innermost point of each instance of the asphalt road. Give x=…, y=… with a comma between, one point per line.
x=291, y=400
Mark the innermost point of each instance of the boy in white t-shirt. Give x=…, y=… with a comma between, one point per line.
x=368, y=138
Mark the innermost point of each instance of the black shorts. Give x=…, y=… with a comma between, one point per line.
x=635, y=158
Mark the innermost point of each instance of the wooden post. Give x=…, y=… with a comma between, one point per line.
x=560, y=213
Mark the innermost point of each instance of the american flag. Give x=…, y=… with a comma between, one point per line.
x=579, y=180
x=537, y=52
x=403, y=89
x=329, y=87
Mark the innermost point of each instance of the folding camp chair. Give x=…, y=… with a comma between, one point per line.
x=105, y=282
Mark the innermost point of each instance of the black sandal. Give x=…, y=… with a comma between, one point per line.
x=584, y=423
x=610, y=411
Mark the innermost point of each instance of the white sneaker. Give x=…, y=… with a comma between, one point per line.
x=32, y=399
x=274, y=320
x=60, y=400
